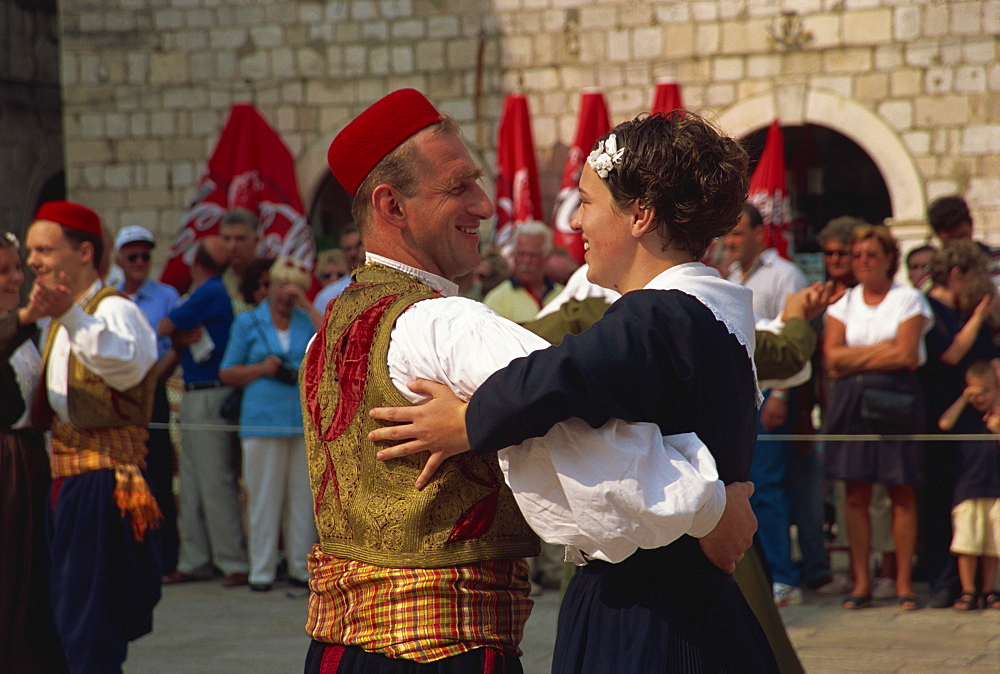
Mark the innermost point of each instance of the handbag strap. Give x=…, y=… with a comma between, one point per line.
x=263, y=335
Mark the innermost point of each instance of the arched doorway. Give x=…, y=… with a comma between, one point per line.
x=829, y=175
x=795, y=106
x=329, y=212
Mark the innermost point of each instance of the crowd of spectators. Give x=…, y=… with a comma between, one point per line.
x=895, y=356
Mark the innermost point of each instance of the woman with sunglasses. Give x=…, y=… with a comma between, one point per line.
x=873, y=345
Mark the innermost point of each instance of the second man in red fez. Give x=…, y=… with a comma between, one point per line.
x=97, y=359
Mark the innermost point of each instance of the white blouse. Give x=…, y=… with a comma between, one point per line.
x=27, y=366
x=866, y=325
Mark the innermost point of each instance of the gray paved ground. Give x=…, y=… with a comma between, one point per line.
x=202, y=627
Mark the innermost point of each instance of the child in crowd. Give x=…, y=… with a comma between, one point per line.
x=976, y=513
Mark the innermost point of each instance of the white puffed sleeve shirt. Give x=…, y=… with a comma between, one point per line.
x=116, y=342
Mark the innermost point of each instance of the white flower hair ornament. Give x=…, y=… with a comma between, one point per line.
x=606, y=157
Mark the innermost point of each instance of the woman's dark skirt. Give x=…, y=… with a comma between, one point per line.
x=660, y=610
x=27, y=638
x=884, y=461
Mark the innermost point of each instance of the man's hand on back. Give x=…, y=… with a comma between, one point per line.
x=733, y=535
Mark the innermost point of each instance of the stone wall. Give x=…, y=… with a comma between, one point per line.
x=147, y=83
x=31, y=141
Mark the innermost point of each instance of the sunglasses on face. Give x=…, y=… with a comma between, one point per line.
x=134, y=257
x=836, y=253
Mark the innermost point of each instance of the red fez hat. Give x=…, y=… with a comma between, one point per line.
x=71, y=215
x=376, y=132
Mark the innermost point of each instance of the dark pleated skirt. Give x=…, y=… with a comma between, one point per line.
x=663, y=610
x=27, y=639
x=883, y=461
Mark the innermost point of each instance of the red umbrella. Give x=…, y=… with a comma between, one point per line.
x=668, y=96
x=592, y=124
x=250, y=168
x=769, y=192
x=518, y=196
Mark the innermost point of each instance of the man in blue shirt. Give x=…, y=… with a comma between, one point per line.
x=210, y=521
x=133, y=248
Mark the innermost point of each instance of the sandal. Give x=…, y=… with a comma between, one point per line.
x=967, y=601
x=991, y=600
x=856, y=601
x=908, y=602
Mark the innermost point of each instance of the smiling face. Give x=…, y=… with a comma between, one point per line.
x=11, y=278
x=51, y=252
x=605, y=228
x=445, y=211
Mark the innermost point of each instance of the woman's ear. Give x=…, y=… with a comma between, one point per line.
x=643, y=219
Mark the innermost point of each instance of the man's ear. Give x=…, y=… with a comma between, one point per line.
x=643, y=219
x=389, y=205
x=87, y=250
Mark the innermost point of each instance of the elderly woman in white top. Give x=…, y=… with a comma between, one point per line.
x=873, y=345
x=265, y=349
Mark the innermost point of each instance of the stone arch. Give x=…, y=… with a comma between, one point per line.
x=311, y=168
x=868, y=130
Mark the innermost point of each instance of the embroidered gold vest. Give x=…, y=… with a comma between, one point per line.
x=368, y=510
x=91, y=402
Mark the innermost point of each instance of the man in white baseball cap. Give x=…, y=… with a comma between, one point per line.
x=133, y=255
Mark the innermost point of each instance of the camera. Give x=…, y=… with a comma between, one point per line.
x=287, y=374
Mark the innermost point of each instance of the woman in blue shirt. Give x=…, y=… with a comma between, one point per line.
x=265, y=349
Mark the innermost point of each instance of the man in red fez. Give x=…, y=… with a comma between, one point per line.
x=99, y=353
x=435, y=576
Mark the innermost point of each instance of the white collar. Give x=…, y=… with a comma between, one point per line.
x=444, y=286
x=730, y=303
x=91, y=291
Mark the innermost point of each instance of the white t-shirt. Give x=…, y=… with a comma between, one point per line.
x=770, y=278
x=867, y=325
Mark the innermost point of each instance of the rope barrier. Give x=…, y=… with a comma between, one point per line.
x=802, y=437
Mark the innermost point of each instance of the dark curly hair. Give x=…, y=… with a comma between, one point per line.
x=682, y=167
x=947, y=213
